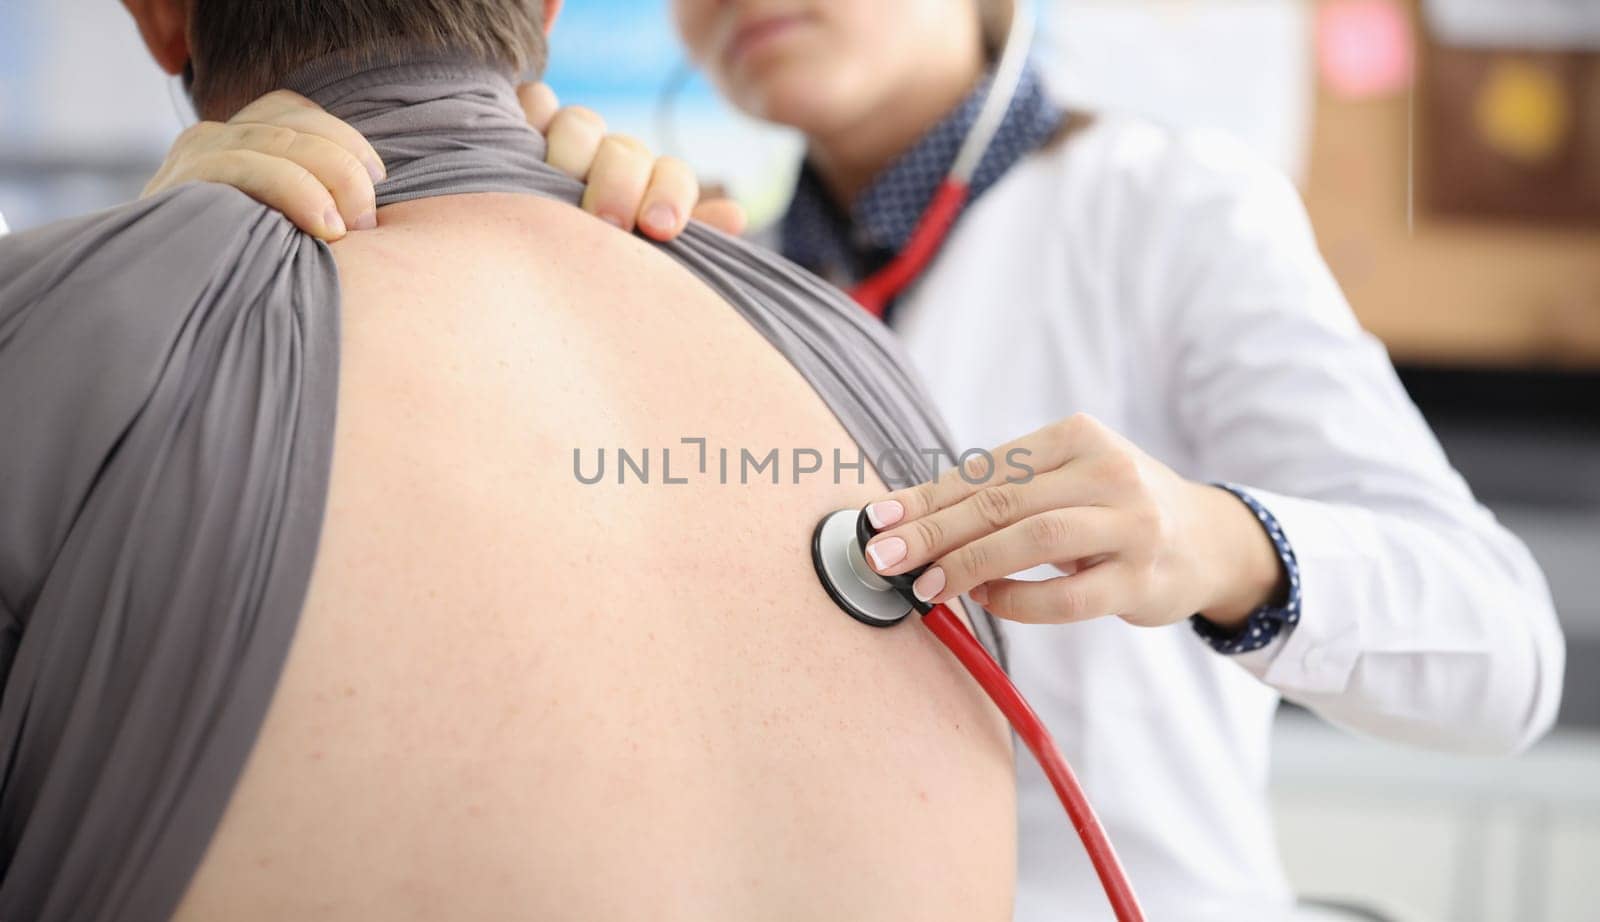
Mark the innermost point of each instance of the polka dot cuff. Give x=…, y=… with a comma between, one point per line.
x=1268, y=621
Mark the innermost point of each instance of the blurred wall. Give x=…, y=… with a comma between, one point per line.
x=85, y=116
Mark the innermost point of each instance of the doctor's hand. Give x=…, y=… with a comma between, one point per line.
x=287, y=153
x=1130, y=536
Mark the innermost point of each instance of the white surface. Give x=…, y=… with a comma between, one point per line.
x=1433, y=837
x=1239, y=66
x=1555, y=24
x=1172, y=288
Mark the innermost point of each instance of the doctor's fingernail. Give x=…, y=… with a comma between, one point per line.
x=333, y=222
x=375, y=170
x=980, y=594
x=612, y=220
x=886, y=553
x=886, y=513
x=367, y=221
x=929, y=584
x=661, y=217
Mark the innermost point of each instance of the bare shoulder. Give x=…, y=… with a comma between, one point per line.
x=630, y=683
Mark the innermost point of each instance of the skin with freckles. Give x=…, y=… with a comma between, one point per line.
x=513, y=695
x=516, y=696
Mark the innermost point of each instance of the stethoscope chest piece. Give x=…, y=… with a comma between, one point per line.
x=863, y=594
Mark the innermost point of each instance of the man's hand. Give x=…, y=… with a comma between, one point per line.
x=627, y=187
x=287, y=153
x=1131, y=537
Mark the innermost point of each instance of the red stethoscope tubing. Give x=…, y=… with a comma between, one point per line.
x=874, y=295
x=955, y=636
x=877, y=290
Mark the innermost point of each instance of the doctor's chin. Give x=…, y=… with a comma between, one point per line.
x=804, y=460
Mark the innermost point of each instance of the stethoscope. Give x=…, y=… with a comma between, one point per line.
x=839, y=542
x=875, y=292
x=838, y=554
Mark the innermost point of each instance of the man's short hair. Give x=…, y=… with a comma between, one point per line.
x=242, y=49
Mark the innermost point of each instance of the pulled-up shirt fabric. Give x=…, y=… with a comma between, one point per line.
x=168, y=384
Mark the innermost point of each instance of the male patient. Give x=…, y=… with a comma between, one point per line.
x=263, y=661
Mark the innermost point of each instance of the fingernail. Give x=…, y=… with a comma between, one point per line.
x=886, y=513
x=333, y=222
x=929, y=584
x=375, y=169
x=612, y=220
x=661, y=217
x=367, y=221
x=980, y=594
x=886, y=553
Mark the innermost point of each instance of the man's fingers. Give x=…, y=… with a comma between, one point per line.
x=617, y=180
x=286, y=109
x=1089, y=593
x=539, y=104
x=724, y=214
x=668, y=199
x=287, y=153
x=317, y=123
x=626, y=186
x=573, y=140
x=280, y=184
x=344, y=177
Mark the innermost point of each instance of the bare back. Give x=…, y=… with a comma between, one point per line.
x=514, y=695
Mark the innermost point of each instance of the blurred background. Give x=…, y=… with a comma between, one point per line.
x=1449, y=153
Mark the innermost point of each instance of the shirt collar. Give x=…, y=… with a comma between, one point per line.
x=820, y=236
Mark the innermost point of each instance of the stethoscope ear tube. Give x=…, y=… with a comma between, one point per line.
x=876, y=291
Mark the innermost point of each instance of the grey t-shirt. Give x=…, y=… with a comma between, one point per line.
x=168, y=384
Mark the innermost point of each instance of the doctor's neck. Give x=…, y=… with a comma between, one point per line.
x=848, y=156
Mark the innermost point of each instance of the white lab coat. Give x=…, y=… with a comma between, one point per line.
x=1171, y=287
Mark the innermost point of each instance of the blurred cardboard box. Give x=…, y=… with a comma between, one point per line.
x=1460, y=210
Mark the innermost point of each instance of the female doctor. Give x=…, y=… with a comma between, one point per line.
x=1234, y=500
